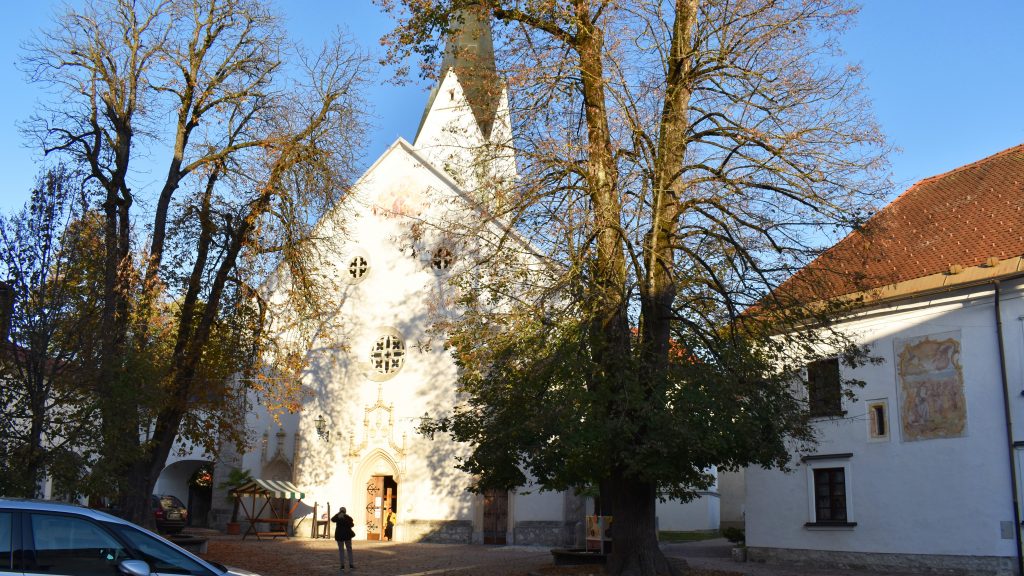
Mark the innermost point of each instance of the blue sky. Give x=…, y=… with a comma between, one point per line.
x=946, y=78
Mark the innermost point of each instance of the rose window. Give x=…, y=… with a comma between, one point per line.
x=388, y=355
x=358, y=268
x=442, y=259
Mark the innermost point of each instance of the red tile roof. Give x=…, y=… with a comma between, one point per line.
x=960, y=218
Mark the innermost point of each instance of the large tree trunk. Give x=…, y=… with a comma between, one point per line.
x=191, y=340
x=117, y=405
x=634, y=541
x=658, y=290
x=138, y=485
x=635, y=550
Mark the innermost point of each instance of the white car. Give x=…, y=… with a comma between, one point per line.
x=42, y=537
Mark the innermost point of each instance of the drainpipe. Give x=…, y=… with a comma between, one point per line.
x=1009, y=428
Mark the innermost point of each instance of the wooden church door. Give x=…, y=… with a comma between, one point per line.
x=374, y=492
x=495, y=516
x=381, y=496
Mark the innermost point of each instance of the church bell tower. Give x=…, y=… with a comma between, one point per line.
x=466, y=126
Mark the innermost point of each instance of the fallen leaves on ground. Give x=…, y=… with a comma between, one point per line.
x=320, y=558
x=591, y=570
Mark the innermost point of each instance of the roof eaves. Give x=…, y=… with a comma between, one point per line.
x=974, y=275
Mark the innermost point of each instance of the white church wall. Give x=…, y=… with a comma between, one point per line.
x=701, y=514
x=263, y=445
x=539, y=506
x=374, y=418
x=546, y=518
x=732, y=490
x=942, y=496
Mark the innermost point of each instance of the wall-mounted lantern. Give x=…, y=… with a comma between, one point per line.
x=321, y=428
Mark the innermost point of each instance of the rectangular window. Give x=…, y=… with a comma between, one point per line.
x=830, y=495
x=824, y=390
x=878, y=420
x=829, y=491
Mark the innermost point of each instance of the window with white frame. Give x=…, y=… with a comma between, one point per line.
x=830, y=498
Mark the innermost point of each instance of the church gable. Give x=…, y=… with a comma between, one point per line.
x=404, y=184
x=469, y=57
x=452, y=141
x=465, y=131
x=396, y=255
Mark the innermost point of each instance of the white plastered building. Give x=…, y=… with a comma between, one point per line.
x=923, y=470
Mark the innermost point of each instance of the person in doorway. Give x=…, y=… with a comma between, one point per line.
x=389, y=524
x=343, y=534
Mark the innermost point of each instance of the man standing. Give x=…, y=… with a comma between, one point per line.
x=389, y=524
x=343, y=534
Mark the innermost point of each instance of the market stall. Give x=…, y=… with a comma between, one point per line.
x=268, y=504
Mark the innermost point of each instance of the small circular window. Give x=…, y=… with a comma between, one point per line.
x=442, y=259
x=387, y=356
x=357, y=268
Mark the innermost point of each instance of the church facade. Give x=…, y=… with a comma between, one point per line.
x=379, y=366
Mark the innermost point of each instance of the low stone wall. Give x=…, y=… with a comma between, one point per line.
x=945, y=565
x=543, y=533
x=437, y=531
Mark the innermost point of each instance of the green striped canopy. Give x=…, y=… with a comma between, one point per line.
x=269, y=489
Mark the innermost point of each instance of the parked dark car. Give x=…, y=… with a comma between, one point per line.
x=42, y=537
x=169, y=512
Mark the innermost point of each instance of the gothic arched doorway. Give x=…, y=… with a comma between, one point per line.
x=381, y=497
x=378, y=492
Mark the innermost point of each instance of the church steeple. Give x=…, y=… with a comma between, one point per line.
x=466, y=130
x=469, y=53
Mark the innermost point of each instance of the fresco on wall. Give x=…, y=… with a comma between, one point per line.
x=405, y=198
x=931, y=387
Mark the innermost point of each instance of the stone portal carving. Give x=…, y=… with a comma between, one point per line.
x=378, y=429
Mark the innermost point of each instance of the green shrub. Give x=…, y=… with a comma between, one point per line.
x=734, y=535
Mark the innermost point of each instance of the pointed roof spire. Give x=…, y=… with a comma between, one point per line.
x=469, y=52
